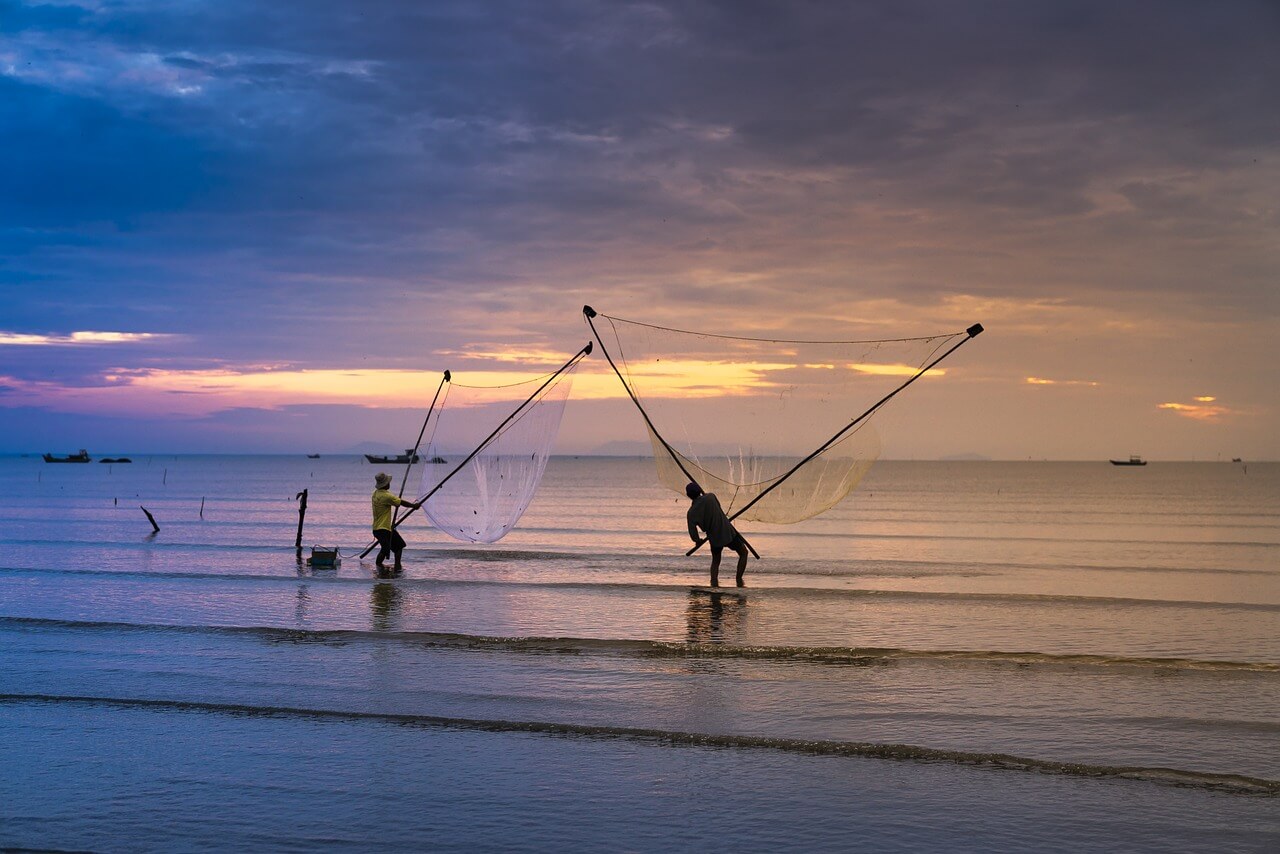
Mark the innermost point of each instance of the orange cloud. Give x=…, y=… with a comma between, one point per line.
x=894, y=370
x=1203, y=410
x=1043, y=381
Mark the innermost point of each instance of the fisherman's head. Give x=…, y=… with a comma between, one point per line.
x=383, y=480
x=693, y=490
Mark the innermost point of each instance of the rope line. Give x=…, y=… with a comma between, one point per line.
x=611, y=318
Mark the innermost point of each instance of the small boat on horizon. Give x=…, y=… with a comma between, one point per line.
x=82, y=457
x=409, y=456
x=313, y=456
x=1134, y=460
x=115, y=460
x=402, y=459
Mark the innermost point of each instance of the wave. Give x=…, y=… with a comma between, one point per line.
x=324, y=577
x=329, y=577
x=643, y=648
x=1230, y=783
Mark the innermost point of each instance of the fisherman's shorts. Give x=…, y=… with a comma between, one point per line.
x=391, y=541
x=737, y=544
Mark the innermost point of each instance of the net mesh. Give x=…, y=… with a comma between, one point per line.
x=739, y=413
x=485, y=499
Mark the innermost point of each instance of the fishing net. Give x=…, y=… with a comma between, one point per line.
x=482, y=501
x=740, y=413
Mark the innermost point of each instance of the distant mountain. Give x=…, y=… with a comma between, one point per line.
x=370, y=448
x=622, y=448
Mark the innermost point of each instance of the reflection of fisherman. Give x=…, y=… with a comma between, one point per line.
x=714, y=617
x=384, y=603
x=705, y=513
x=384, y=504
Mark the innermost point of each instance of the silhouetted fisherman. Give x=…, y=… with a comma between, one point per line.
x=384, y=504
x=705, y=513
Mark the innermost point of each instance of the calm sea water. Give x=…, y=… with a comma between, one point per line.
x=962, y=656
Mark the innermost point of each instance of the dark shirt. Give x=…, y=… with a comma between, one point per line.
x=705, y=513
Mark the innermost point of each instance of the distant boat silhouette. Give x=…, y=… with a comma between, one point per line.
x=408, y=456
x=115, y=460
x=401, y=459
x=313, y=456
x=82, y=457
x=1134, y=460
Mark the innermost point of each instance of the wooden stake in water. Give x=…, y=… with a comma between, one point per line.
x=202, y=507
x=152, y=519
x=302, y=514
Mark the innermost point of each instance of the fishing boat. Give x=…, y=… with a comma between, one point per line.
x=82, y=457
x=313, y=456
x=1134, y=460
x=409, y=456
x=115, y=460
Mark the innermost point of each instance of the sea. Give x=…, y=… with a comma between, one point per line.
x=961, y=656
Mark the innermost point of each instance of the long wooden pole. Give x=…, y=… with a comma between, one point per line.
x=973, y=332
x=577, y=356
x=589, y=313
x=414, y=453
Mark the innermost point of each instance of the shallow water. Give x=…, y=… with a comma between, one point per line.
x=1106, y=640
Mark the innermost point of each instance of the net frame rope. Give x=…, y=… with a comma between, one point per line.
x=848, y=431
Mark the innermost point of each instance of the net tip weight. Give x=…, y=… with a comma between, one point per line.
x=588, y=311
x=975, y=330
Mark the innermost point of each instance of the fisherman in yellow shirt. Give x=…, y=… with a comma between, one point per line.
x=384, y=504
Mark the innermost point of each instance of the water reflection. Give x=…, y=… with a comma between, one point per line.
x=714, y=617
x=385, y=605
x=302, y=606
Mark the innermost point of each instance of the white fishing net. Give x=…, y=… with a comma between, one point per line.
x=484, y=499
x=740, y=413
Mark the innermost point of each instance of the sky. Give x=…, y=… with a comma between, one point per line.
x=268, y=227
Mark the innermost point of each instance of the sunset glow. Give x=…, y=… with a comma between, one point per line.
x=212, y=223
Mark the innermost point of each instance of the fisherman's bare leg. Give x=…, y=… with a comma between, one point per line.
x=397, y=546
x=741, y=548
x=715, y=565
